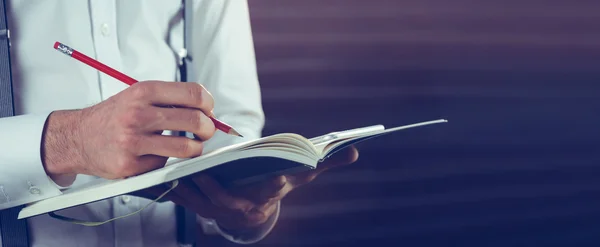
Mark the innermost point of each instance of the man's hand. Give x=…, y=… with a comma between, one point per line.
x=245, y=207
x=121, y=136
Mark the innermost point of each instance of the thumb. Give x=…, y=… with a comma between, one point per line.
x=343, y=157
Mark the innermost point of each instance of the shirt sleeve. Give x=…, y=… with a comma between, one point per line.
x=22, y=176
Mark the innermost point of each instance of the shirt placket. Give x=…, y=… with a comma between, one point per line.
x=106, y=45
x=128, y=230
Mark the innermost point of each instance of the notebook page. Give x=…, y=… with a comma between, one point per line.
x=321, y=142
x=333, y=147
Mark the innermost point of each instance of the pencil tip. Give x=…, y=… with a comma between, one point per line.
x=235, y=133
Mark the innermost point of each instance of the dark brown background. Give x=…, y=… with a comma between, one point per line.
x=517, y=165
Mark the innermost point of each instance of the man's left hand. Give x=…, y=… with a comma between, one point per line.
x=249, y=206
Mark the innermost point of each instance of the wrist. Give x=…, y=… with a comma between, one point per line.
x=60, y=149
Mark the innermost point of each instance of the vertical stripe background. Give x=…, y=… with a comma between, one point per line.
x=519, y=80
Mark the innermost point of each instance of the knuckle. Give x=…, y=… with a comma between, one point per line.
x=184, y=148
x=202, y=98
x=261, y=217
x=141, y=90
x=189, y=147
x=137, y=113
x=256, y=218
x=279, y=182
x=195, y=93
x=195, y=119
x=128, y=141
x=132, y=117
x=203, y=126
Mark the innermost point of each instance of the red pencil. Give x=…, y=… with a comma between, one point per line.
x=126, y=79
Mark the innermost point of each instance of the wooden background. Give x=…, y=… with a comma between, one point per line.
x=519, y=81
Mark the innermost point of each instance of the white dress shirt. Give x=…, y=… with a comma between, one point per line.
x=141, y=39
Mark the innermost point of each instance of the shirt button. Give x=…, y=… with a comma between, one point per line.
x=125, y=199
x=34, y=190
x=104, y=29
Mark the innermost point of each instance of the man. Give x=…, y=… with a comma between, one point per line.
x=75, y=125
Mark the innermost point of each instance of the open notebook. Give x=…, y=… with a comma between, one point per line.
x=232, y=165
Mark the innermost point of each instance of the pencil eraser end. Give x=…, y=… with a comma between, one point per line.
x=56, y=45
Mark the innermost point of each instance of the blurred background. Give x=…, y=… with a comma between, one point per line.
x=518, y=80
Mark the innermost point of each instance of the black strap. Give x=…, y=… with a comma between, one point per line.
x=6, y=94
x=186, y=219
x=13, y=231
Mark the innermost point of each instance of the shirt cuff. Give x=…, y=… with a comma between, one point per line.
x=255, y=235
x=23, y=179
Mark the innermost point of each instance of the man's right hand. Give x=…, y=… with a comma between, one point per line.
x=121, y=136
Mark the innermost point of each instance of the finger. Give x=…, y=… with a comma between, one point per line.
x=182, y=94
x=263, y=191
x=186, y=195
x=345, y=156
x=260, y=214
x=274, y=189
x=170, y=146
x=257, y=216
x=197, y=201
x=183, y=119
x=265, y=208
x=194, y=198
x=219, y=196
